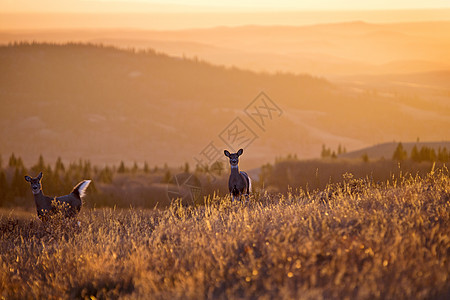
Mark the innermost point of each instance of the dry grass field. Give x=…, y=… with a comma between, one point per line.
x=354, y=240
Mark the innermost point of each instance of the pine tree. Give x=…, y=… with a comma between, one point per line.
x=433, y=156
x=365, y=157
x=428, y=154
x=12, y=161
x=146, y=168
x=415, y=155
x=167, y=177
x=18, y=186
x=423, y=153
x=106, y=175
x=39, y=166
x=325, y=152
x=55, y=180
x=67, y=182
x=443, y=155
x=15, y=162
x=4, y=188
x=122, y=168
x=217, y=167
x=87, y=169
x=135, y=168
x=399, y=153
x=59, y=166
x=93, y=188
x=20, y=163
x=266, y=173
x=186, y=167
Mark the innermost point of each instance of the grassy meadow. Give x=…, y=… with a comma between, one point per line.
x=144, y=101
x=358, y=239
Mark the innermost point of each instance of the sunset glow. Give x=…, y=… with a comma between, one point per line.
x=99, y=6
x=239, y=149
x=177, y=14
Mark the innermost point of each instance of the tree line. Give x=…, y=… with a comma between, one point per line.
x=425, y=153
x=59, y=178
x=327, y=152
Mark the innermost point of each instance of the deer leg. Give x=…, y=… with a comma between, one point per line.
x=247, y=197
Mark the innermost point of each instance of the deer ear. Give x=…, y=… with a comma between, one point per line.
x=28, y=178
x=39, y=176
x=240, y=152
x=227, y=154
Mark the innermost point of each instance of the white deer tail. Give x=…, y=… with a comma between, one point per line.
x=249, y=182
x=80, y=189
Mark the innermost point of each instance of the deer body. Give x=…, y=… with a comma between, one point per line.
x=69, y=204
x=239, y=182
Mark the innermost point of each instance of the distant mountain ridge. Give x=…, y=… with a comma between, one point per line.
x=332, y=49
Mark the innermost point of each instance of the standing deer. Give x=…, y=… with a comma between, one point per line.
x=239, y=183
x=69, y=204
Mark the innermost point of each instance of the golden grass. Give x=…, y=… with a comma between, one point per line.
x=355, y=240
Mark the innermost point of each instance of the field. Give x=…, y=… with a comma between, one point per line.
x=357, y=239
x=342, y=116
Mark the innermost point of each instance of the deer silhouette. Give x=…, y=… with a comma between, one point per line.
x=46, y=206
x=239, y=182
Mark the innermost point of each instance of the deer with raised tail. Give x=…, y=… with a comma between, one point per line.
x=46, y=206
x=239, y=182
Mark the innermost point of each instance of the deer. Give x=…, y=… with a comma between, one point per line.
x=69, y=205
x=239, y=182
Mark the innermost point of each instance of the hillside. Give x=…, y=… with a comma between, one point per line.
x=330, y=50
x=386, y=150
x=107, y=105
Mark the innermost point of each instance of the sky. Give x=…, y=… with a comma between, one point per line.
x=99, y=6
x=182, y=14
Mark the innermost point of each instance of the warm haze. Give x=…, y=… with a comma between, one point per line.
x=181, y=5
x=391, y=57
x=342, y=109
x=142, y=14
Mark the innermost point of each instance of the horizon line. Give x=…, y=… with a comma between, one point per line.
x=195, y=20
x=232, y=11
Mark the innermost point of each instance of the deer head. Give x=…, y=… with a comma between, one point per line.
x=234, y=157
x=35, y=183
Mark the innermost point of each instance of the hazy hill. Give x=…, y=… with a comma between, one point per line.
x=324, y=49
x=386, y=150
x=109, y=105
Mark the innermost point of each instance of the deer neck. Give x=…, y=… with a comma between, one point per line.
x=38, y=194
x=41, y=200
x=234, y=169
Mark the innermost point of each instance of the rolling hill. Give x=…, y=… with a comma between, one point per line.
x=106, y=104
x=329, y=50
